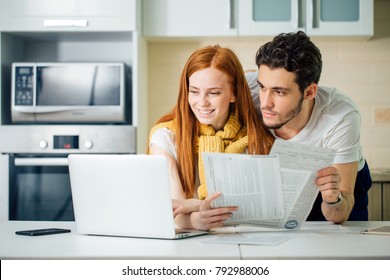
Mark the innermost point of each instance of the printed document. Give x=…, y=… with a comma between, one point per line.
x=276, y=191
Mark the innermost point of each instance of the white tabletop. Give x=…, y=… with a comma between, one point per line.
x=316, y=240
x=76, y=246
x=325, y=240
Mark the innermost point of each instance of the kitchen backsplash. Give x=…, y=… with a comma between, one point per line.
x=360, y=68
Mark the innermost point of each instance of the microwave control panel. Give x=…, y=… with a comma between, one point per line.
x=24, y=86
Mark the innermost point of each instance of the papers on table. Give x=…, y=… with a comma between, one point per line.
x=253, y=235
x=275, y=191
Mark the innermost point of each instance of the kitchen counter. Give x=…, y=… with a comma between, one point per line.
x=380, y=175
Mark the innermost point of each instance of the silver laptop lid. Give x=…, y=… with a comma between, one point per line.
x=122, y=195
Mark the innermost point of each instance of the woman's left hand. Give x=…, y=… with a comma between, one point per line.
x=209, y=217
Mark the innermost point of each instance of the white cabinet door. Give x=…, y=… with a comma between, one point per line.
x=68, y=15
x=264, y=17
x=186, y=18
x=315, y=17
x=334, y=17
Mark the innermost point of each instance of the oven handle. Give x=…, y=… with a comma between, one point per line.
x=41, y=161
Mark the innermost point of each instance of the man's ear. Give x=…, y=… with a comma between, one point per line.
x=311, y=91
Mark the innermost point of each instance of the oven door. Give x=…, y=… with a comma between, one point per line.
x=38, y=188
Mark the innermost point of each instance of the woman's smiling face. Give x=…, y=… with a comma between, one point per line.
x=210, y=96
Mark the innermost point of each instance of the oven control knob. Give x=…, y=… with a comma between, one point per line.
x=88, y=144
x=43, y=144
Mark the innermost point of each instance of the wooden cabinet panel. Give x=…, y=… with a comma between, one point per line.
x=375, y=202
x=379, y=202
x=386, y=201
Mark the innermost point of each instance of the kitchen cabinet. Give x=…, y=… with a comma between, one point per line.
x=70, y=15
x=189, y=18
x=315, y=17
x=379, y=202
x=379, y=195
x=109, y=35
x=186, y=18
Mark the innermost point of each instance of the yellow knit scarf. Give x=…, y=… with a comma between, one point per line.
x=232, y=139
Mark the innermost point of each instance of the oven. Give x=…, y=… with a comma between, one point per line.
x=34, y=175
x=38, y=187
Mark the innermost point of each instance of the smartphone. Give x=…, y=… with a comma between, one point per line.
x=43, y=231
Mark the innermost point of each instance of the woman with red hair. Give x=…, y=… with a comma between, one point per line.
x=214, y=113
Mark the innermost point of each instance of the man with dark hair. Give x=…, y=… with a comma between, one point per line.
x=286, y=92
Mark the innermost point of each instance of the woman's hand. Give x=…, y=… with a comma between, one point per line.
x=185, y=206
x=208, y=217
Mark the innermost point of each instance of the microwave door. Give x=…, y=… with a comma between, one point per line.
x=107, y=86
x=64, y=91
x=64, y=86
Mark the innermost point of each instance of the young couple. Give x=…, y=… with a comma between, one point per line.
x=216, y=112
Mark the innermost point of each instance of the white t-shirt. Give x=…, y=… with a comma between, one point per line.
x=165, y=139
x=334, y=123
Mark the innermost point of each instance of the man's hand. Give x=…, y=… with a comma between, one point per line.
x=333, y=181
x=328, y=181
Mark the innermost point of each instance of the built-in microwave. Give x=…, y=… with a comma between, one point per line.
x=68, y=93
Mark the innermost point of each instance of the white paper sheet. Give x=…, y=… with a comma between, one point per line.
x=296, y=156
x=274, y=191
x=242, y=239
x=254, y=236
x=244, y=181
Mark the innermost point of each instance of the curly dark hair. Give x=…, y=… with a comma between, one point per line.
x=295, y=53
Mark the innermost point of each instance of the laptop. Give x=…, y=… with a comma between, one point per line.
x=123, y=195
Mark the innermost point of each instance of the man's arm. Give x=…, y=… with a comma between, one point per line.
x=340, y=178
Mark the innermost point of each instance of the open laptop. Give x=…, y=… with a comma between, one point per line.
x=123, y=195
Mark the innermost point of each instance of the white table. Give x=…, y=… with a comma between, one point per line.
x=323, y=240
x=76, y=246
x=315, y=241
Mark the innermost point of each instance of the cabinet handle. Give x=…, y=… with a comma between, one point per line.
x=41, y=161
x=295, y=14
x=230, y=15
x=65, y=23
x=313, y=14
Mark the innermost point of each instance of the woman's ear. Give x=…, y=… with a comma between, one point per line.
x=233, y=99
x=311, y=91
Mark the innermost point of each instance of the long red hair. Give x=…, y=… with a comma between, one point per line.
x=260, y=139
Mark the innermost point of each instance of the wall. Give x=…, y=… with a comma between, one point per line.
x=360, y=68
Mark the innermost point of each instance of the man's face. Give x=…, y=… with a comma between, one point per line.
x=280, y=98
